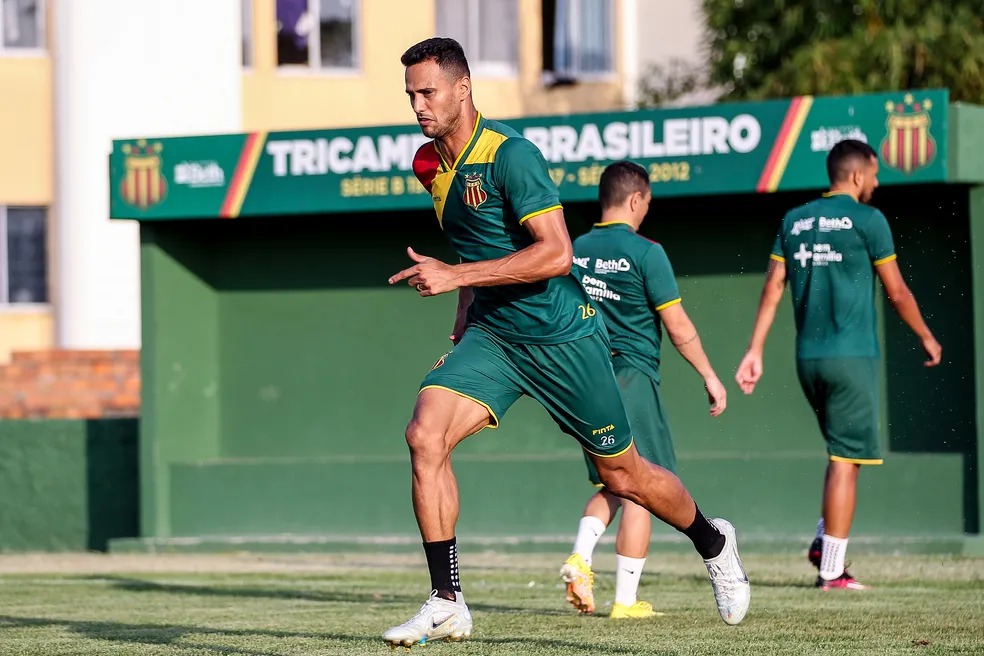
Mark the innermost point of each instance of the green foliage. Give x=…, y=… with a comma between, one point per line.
x=776, y=48
x=759, y=49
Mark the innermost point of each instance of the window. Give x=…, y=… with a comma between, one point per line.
x=21, y=24
x=486, y=29
x=577, y=39
x=246, y=12
x=317, y=33
x=23, y=259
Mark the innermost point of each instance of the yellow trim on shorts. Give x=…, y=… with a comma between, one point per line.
x=858, y=461
x=891, y=257
x=669, y=303
x=777, y=258
x=614, y=455
x=495, y=420
x=539, y=212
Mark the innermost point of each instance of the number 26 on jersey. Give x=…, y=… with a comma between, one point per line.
x=586, y=311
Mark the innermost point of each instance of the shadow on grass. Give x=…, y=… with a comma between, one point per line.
x=286, y=594
x=653, y=581
x=169, y=634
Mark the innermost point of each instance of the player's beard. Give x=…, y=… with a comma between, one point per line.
x=446, y=129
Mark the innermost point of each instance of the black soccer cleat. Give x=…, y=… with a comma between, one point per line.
x=815, y=554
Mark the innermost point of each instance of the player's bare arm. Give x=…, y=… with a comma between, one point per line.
x=549, y=256
x=750, y=369
x=904, y=302
x=685, y=338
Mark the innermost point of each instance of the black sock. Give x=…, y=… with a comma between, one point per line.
x=442, y=561
x=708, y=541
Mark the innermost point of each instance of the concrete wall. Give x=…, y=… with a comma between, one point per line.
x=67, y=485
x=26, y=152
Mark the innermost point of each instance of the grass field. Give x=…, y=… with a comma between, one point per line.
x=258, y=605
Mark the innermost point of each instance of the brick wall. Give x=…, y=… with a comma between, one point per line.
x=65, y=384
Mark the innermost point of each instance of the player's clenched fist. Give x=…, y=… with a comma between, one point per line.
x=428, y=276
x=749, y=372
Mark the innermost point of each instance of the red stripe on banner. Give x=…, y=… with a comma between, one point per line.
x=916, y=150
x=900, y=150
x=770, y=164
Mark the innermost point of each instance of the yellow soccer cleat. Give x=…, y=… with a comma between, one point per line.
x=640, y=610
x=579, y=578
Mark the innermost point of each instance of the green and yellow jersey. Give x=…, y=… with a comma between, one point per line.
x=498, y=182
x=629, y=279
x=831, y=246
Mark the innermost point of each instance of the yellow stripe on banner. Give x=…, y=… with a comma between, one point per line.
x=907, y=154
x=858, y=461
x=538, y=213
x=668, y=304
x=777, y=258
x=495, y=420
x=787, y=148
x=883, y=260
x=247, y=177
x=893, y=147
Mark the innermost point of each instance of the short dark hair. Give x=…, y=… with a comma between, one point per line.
x=447, y=53
x=619, y=181
x=845, y=156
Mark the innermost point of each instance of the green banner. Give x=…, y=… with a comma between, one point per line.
x=728, y=148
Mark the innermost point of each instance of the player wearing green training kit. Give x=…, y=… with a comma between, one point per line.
x=630, y=281
x=829, y=251
x=524, y=326
x=484, y=224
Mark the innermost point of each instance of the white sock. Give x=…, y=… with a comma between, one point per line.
x=832, y=562
x=820, y=527
x=589, y=531
x=627, y=573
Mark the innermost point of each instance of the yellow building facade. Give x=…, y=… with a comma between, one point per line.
x=528, y=57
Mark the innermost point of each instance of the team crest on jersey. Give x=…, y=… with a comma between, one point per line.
x=474, y=194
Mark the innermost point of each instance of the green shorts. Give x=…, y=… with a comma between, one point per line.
x=844, y=395
x=644, y=408
x=574, y=381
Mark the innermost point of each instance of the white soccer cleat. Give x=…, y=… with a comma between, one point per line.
x=438, y=619
x=731, y=589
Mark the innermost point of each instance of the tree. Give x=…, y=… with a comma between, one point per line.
x=777, y=48
x=758, y=49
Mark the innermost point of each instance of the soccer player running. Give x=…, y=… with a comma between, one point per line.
x=524, y=325
x=829, y=251
x=630, y=279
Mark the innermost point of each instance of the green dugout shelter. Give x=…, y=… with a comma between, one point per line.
x=279, y=368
